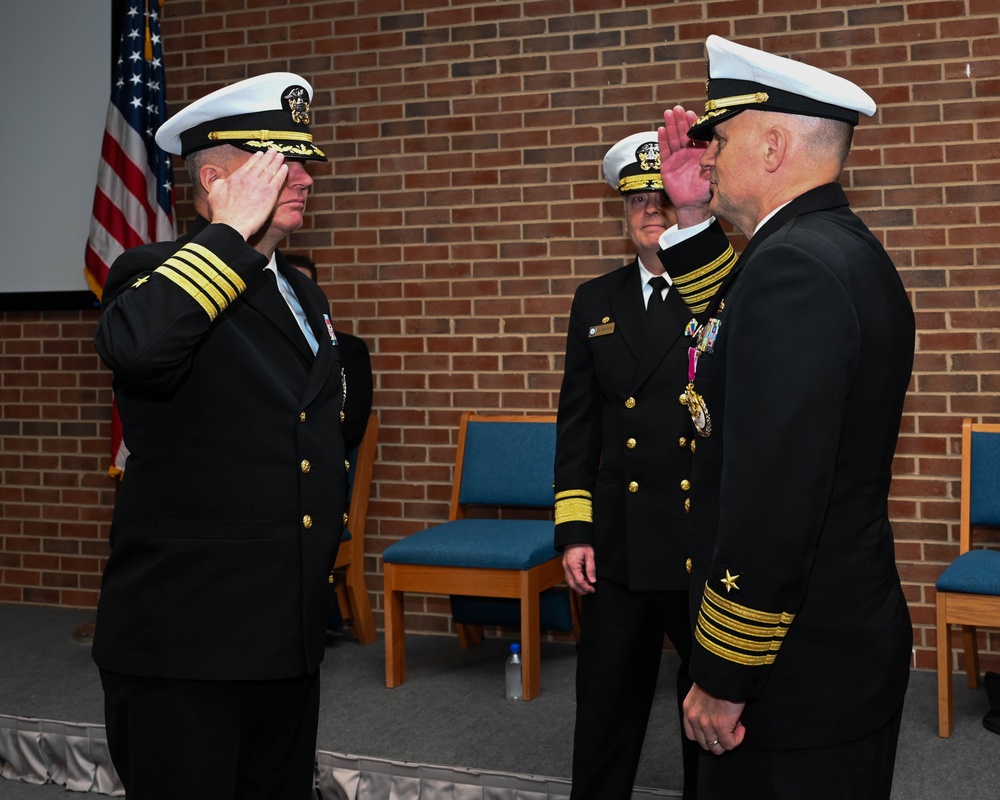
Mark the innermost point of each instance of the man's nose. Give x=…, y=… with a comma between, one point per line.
x=298, y=175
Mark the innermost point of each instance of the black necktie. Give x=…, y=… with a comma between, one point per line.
x=655, y=304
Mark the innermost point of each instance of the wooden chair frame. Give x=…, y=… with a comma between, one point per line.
x=956, y=608
x=525, y=585
x=352, y=594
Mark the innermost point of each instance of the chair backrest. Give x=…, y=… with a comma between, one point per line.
x=359, y=477
x=504, y=460
x=980, y=479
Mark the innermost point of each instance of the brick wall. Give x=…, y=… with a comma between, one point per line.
x=463, y=203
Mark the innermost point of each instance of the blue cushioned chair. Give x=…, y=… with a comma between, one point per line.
x=352, y=594
x=502, y=462
x=968, y=591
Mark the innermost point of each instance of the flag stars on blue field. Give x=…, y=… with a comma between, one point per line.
x=132, y=206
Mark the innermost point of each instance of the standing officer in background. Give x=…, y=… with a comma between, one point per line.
x=802, y=635
x=621, y=457
x=212, y=617
x=355, y=369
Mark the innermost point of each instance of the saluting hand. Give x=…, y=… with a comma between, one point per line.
x=684, y=180
x=245, y=198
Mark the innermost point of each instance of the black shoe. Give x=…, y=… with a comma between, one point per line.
x=992, y=719
x=992, y=683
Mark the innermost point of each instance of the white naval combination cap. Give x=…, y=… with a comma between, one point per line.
x=741, y=78
x=633, y=164
x=268, y=112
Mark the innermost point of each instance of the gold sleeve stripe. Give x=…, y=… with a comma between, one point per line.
x=200, y=280
x=191, y=289
x=761, y=632
x=707, y=269
x=699, y=286
x=218, y=263
x=574, y=505
x=736, y=610
x=699, y=302
x=204, y=276
x=573, y=493
x=709, y=277
x=574, y=511
x=207, y=269
x=740, y=634
x=751, y=645
x=732, y=655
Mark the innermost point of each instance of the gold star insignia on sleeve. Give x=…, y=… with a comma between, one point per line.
x=730, y=582
x=140, y=282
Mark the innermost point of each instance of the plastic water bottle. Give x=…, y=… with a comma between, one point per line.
x=514, y=672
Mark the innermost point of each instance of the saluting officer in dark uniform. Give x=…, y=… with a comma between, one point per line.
x=802, y=635
x=212, y=617
x=622, y=455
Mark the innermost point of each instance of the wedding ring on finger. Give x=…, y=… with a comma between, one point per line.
x=711, y=744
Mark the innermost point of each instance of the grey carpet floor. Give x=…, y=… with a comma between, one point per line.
x=451, y=710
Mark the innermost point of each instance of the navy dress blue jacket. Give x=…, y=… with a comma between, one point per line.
x=231, y=507
x=797, y=604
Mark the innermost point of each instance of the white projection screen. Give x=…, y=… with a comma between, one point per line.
x=55, y=80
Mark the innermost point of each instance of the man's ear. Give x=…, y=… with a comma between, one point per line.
x=209, y=174
x=776, y=140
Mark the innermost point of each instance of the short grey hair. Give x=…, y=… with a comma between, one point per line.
x=832, y=136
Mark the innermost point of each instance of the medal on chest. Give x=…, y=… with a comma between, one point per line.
x=703, y=343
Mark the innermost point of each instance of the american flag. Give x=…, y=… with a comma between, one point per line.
x=133, y=201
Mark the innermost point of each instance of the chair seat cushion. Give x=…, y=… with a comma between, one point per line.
x=975, y=572
x=481, y=543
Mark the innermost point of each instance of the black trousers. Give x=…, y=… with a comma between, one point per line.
x=858, y=770
x=621, y=641
x=212, y=740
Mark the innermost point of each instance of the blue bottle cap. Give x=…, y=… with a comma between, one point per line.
x=515, y=648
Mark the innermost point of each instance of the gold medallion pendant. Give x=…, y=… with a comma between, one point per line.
x=698, y=410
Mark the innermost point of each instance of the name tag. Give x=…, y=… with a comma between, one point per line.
x=601, y=330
